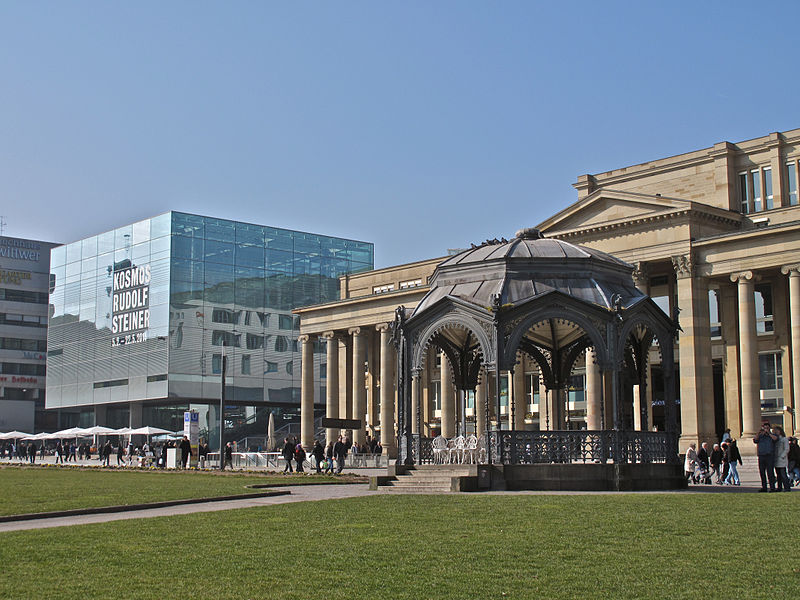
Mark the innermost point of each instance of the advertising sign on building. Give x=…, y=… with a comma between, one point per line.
x=130, y=311
x=191, y=429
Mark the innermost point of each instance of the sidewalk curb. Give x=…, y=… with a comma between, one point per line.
x=132, y=507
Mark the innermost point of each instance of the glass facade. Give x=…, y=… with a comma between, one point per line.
x=145, y=313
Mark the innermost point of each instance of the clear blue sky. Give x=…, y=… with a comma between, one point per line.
x=420, y=126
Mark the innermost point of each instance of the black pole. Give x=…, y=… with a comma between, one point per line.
x=222, y=411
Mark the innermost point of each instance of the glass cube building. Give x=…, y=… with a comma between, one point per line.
x=140, y=318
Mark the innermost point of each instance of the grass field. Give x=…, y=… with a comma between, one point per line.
x=44, y=489
x=438, y=547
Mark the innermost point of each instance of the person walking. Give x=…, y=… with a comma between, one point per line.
x=106, y=452
x=340, y=452
x=794, y=461
x=120, y=454
x=329, y=457
x=288, y=454
x=229, y=455
x=59, y=452
x=733, y=458
x=716, y=462
x=186, y=451
x=318, y=452
x=32, y=453
x=299, y=457
x=765, y=443
x=781, y=459
x=689, y=462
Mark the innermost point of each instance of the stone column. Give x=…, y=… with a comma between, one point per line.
x=694, y=351
x=307, y=391
x=448, y=398
x=387, y=391
x=518, y=395
x=359, y=382
x=594, y=391
x=331, y=383
x=748, y=359
x=345, y=377
x=480, y=404
x=793, y=271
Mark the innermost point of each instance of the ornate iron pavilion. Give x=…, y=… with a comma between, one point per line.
x=551, y=300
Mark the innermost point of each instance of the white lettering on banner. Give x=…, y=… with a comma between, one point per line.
x=130, y=305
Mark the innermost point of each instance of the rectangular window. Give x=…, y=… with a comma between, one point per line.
x=713, y=313
x=763, y=299
x=216, y=364
x=11, y=295
x=768, y=198
x=410, y=284
x=382, y=289
x=272, y=367
x=771, y=374
x=532, y=389
x=254, y=342
x=246, y=364
x=791, y=182
x=436, y=391
x=755, y=190
x=224, y=315
x=285, y=322
x=228, y=338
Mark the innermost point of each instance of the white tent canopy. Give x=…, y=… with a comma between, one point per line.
x=41, y=436
x=68, y=433
x=100, y=430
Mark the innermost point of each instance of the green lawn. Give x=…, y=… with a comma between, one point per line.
x=438, y=547
x=44, y=489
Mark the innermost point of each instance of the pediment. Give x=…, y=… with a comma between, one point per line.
x=605, y=207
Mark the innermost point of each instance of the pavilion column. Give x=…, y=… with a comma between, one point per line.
x=307, y=391
x=794, y=326
x=332, y=383
x=480, y=404
x=594, y=392
x=448, y=398
x=694, y=355
x=359, y=382
x=387, y=391
x=416, y=380
x=135, y=415
x=748, y=359
x=518, y=395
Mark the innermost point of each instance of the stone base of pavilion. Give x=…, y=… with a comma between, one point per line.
x=542, y=477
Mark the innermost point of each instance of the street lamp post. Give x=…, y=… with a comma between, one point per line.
x=222, y=410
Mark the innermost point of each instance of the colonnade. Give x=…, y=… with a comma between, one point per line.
x=359, y=383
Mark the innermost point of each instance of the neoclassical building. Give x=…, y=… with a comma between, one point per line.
x=714, y=236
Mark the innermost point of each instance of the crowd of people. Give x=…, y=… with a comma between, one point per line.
x=778, y=460
x=328, y=459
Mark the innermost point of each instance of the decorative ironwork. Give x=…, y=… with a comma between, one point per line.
x=621, y=447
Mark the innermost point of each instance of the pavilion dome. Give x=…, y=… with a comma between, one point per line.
x=528, y=266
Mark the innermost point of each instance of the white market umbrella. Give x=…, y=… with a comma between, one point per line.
x=14, y=435
x=124, y=431
x=72, y=432
x=40, y=436
x=148, y=431
x=100, y=430
x=271, y=433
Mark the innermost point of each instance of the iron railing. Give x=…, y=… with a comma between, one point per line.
x=532, y=447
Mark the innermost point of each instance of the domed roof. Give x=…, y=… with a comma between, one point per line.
x=528, y=266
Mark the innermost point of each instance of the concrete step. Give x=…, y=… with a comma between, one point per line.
x=411, y=487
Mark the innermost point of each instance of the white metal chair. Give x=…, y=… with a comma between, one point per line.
x=470, y=449
x=439, y=449
x=457, y=450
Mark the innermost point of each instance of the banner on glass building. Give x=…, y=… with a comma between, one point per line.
x=130, y=312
